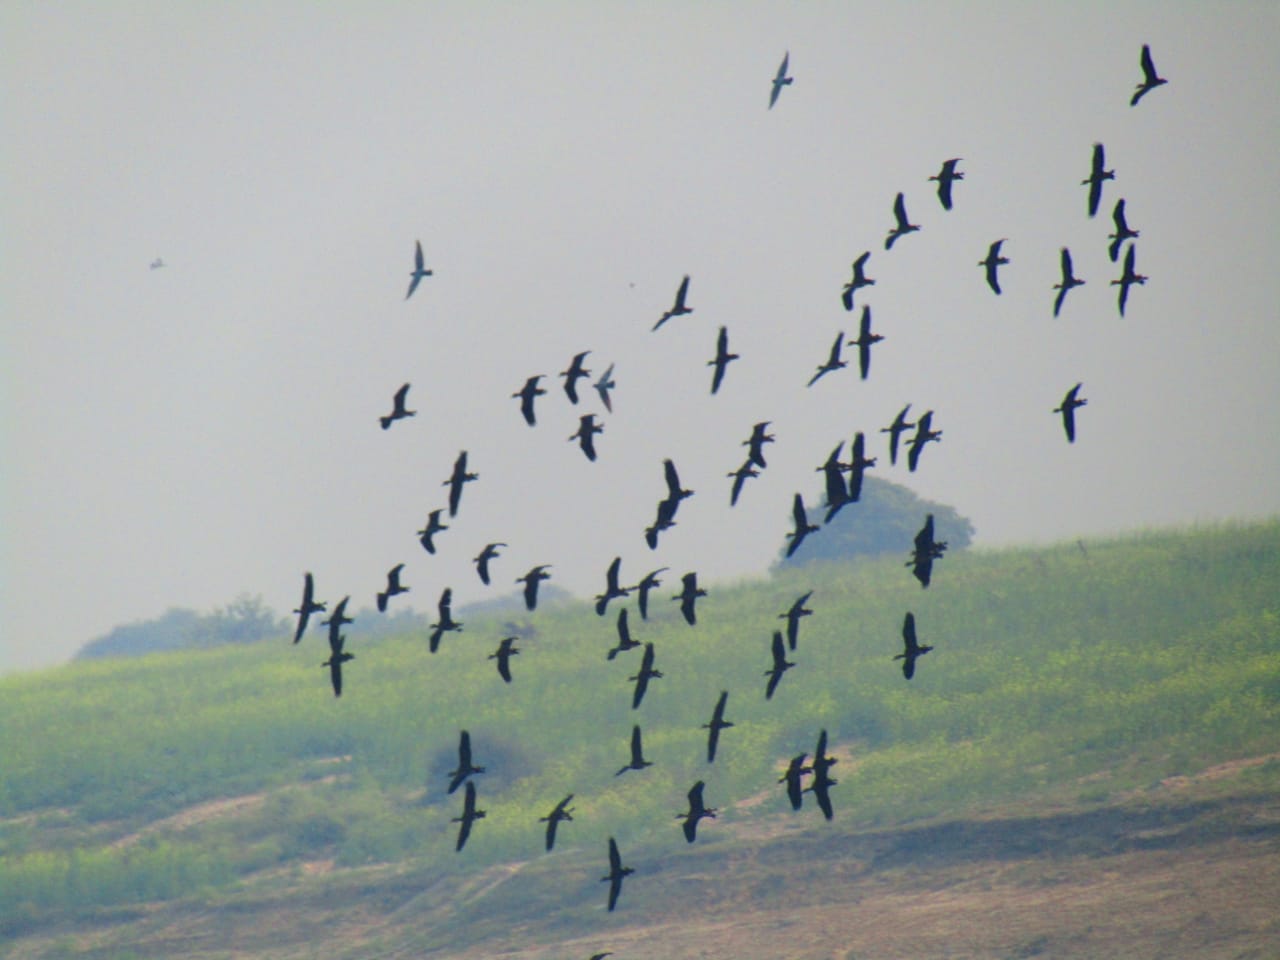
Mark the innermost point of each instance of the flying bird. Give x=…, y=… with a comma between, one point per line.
x=902, y=227
x=718, y=723
x=925, y=551
x=393, y=587
x=924, y=434
x=482, y=560
x=419, y=270
x=864, y=342
x=688, y=596
x=337, y=657
x=307, y=607
x=1097, y=174
x=446, y=623
x=1068, y=411
x=802, y=525
x=1069, y=280
x=739, y=478
x=603, y=386
x=792, y=778
x=456, y=480
x=575, y=373
x=792, y=616
x=993, y=263
x=721, y=360
x=465, y=767
x=859, y=463
x=833, y=361
x=616, y=874
x=1128, y=278
x=531, y=581
x=911, y=648
x=833, y=479
x=526, y=396
x=625, y=642
x=433, y=527
x=860, y=280
x=697, y=811
x=945, y=178
x=642, y=678
x=755, y=443
x=1150, y=79
x=611, y=588
x=398, y=410
x=780, y=665
x=642, y=589
x=1123, y=232
x=469, y=816
x=506, y=650
x=561, y=812
x=780, y=79
x=822, y=782
x=895, y=431
x=678, y=309
x=637, y=761
x=585, y=435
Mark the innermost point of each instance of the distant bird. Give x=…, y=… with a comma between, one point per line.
x=780, y=79
x=398, y=411
x=585, y=435
x=617, y=872
x=1068, y=410
x=469, y=816
x=993, y=262
x=561, y=812
x=393, y=587
x=721, y=360
x=924, y=434
x=611, y=588
x=625, y=642
x=573, y=374
x=307, y=607
x=642, y=678
x=446, y=622
x=822, y=782
x=637, y=761
x=526, y=395
x=506, y=650
x=792, y=616
x=718, y=723
x=419, y=270
x=465, y=767
x=926, y=550
x=482, y=560
x=1128, y=278
x=860, y=280
x=337, y=657
x=859, y=463
x=756, y=443
x=833, y=480
x=456, y=480
x=1122, y=233
x=674, y=491
x=603, y=386
x=802, y=525
x=792, y=778
x=911, y=649
x=864, y=342
x=688, y=596
x=833, y=361
x=902, y=227
x=739, y=478
x=433, y=527
x=697, y=811
x=895, y=430
x=337, y=620
x=531, y=581
x=780, y=665
x=642, y=589
x=664, y=520
x=945, y=178
x=1150, y=80
x=678, y=309
x=1069, y=280
x=157, y=263
x=1097, y=174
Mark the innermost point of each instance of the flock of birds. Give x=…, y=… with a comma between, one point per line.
x=843, y=482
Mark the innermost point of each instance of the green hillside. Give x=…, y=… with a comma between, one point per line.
x=1069, y=674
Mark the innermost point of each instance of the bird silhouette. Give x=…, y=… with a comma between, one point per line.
x=337, y=657
x=1068, y=411
x=833, y=480
x=603, y=386
x=585, y=435
x=337, y=620
x=945, y=178
x=611, y=588
x=469, y=816
x=398, y=410
x=780, y=665
x=678, y=309
x=307, y=607
x=864, y=342
x=911, y=648
x=822, y=782
x=393, y=587
x=446, y=622
x=895, y=431
x=625, y=642
x=1069, y=280
x=506, y=650
x=649, y=581
x=902, y=227
x=637, y=761
x=642, y=678
x=561, y=812
x=1128, y=278
x=925, y=551
x=419, y=269
x=465, y=767
x=859, y=464
x=526, y=396
x=157, y=263
x=433, y=527
x=482, y=560
x=718, y=723
x=802, y=525
x=1097, y=174
x=755, y=443
x=688, y=596
x=992, y=263
x=860, y=280
x=924, y=434
x=793, y=779
x=617, y=872
x=721, y=360
x=793, y=615
x=1123, y=232
x=697, y=811
x=531, y=581
x=780, y=79
x=739, y=478
x=575, y=373
x=1150, y=80
x=833, y=361
x=456, y=480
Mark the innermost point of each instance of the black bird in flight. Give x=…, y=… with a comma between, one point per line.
x=625, y=642
x=456, y=480
x=307, y=607
x=526, y=395
x=337, y=620
x=637, y=762
x=739, y=478
x=833, y=480
x=780, y=79
x=433, y=527
x=678, y=309
x=945, y=178
x=860, y=280
x=859, y=463
x=895, y=430
x=755, y=443
x=1097, y=174
x=802, y=525
x=833, y=361
x=585, y=435
x=616, y=874
x=1068, y=411
x=924, y=434
x=722, y=359
x=481, y=561
x=398, y=410
x=822, y=782
x=446, y=622
x=792, y=778
x=926, y=551
x=575, y=373
x=718, y=723
x=337, y=657
x=865, y=339
x=1069, y=280
x=642, y=678
x=1122, y=233
x=465, y=767
x=393, y=587
x=780, y=665
x=642, y=589
x=531, y=581
x=1128, y=278
x=506, y=650
x=792, y=616
x=562, y=811
x=911, y=649
x=992, y=264
x=419, y=269
x=902, y=227
x=603, y=386
x=1150, y=80
x=697, y=811
x=688, y=596
x=469, y=816
x=611, y=588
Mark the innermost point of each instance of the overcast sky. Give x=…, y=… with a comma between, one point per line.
x=179, y=436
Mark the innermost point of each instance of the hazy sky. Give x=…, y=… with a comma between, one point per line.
x=176, y=437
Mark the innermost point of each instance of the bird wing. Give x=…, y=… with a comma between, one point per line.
x=909, y=633
x=418, y=262
x=682, y=293
x=900, y=211
x=1148, y=65
x=798, y=514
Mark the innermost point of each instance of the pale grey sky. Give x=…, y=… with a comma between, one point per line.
x=179, y=436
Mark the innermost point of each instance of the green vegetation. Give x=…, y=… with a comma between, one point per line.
x=1066, y=673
